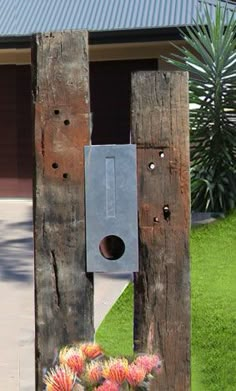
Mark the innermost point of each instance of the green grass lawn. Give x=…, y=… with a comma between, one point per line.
x=213, y=285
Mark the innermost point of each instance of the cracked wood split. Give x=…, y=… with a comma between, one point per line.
x=55, y=278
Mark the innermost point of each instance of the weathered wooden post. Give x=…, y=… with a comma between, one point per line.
x=162, y=294
x=63, y=290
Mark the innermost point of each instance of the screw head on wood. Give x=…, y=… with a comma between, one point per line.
x=151, y=166
x=161, y=154
x=166, y=212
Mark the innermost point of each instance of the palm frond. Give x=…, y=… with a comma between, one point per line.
x=209, y=55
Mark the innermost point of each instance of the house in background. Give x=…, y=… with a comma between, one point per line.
x=124, y=36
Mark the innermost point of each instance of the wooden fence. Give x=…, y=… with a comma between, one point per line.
x=63, y=289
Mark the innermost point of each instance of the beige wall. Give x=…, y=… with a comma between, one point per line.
x=109, y=52
x=131, y=51
x=15, y=56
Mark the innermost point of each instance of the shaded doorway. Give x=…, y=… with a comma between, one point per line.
x=16, y=156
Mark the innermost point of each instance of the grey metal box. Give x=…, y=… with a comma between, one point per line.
x=111, y=208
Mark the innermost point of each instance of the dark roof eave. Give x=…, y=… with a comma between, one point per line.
x=134, y=35
x=15, y=42
x=104, y=37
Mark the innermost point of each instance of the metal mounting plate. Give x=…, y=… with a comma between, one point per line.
x=111, y=208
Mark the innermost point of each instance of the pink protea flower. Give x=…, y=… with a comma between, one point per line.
x=60, y=379
x=91, y=350
x=73, y=358
x=135, y=375
x=108, y=386
x=93, y=372
x=116, y=370
x=148, y=362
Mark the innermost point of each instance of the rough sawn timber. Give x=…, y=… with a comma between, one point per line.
x=162, y=290
x=63, y=290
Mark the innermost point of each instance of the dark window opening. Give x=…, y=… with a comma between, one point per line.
x=110, y=93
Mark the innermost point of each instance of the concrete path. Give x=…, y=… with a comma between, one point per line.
x=16, y=293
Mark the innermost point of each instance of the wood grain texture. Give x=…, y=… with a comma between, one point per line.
x=63, y=290
x=162, y=289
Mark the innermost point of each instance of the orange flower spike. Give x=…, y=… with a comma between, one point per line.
x=135, y=375
x=148, y=362
x=93, y=372
x=108, y=386
x=63, y=354
x=60, y=379
x=73, y=358
x=91, y=350
x=116, y=370
x=75, y=362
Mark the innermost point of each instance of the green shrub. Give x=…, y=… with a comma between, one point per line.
x=211, y=61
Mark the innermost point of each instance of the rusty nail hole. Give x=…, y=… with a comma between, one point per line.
x=55, y=165
x=67, y=122
x=65, y=175
x=56, y=112
x=161, y=154
x=151, y=166
x=155, y=219
x=166, y=212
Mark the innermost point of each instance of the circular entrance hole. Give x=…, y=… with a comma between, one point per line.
x=112, y=247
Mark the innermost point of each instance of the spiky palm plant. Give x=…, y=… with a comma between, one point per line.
x=211, y=61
